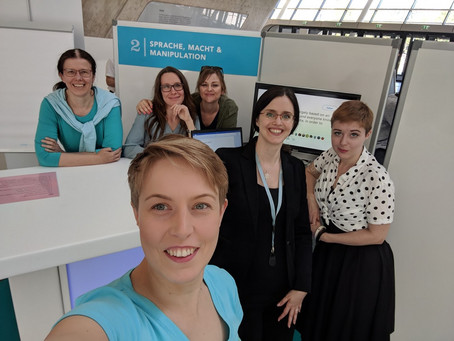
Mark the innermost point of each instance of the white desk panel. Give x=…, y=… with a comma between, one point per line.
x=91, y=217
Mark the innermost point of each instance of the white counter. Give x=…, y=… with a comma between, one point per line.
x=91, y=217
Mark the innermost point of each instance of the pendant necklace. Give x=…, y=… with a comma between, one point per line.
x=267, y=175
x=267, y=172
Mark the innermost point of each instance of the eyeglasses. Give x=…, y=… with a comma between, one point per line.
x=273, y=116
x=72, y=73
x=168, y=87
x=215, y=68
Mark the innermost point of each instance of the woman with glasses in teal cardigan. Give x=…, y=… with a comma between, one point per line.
x=81, y=118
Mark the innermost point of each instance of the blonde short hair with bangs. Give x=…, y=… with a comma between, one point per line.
x=197, y=154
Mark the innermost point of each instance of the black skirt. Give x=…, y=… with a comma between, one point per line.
x=353, y=293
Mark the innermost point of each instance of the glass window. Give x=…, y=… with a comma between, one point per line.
x=368, y=16
x=242, y=19
x=433, y=4
x=305, y=14
x=281, y=4
x=275, y=14
x=390, y=16
x=396, y=4
x=374, y=4
x=336, y=3
x=293, y=3
x=330, y=15
x=358, y=4
x=164, y=13
x=450, y=18
x=380, y=11
x=231, y=18
x=352, y=15
x=310, y=4
x=287, y=14
x=428, y=17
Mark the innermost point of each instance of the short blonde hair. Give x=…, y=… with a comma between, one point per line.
x=197, y=154
x=354, y=111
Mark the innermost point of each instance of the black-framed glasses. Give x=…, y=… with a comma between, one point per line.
x=273, y=116
x=168, y=87
x=72, y=73
x=215, y=68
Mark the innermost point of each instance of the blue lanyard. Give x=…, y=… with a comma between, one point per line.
x=274, y=210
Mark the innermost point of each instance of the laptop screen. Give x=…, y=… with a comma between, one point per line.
x=220, y=138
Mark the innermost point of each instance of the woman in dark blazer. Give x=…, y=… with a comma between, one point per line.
x=267, y=251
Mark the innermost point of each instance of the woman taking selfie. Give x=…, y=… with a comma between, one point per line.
x=172, y=294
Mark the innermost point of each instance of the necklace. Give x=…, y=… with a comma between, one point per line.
x=267, y=175
x=267, y=172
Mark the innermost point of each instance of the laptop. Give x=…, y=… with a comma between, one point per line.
x=219, y=138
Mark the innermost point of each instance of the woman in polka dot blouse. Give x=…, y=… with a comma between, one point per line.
x=351, y=206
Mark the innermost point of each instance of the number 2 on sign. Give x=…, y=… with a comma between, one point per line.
x=135, y=45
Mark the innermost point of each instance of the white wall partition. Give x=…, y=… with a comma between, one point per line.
x=421, y=164
x=28, y=65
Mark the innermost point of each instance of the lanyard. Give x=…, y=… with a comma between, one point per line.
x=274, y=210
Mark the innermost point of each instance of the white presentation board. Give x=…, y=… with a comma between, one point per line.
x=28, y=68
x=421, y=164
x=344, y=64
x=143, y=49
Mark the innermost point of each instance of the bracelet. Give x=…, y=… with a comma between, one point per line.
x=318, y=233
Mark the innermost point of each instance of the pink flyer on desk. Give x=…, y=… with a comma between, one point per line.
x=28, y=187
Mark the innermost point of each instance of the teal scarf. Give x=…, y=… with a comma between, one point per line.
x=105, y=100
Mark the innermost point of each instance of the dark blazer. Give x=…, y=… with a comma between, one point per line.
x=236, y=245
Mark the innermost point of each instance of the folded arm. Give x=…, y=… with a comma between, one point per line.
x=372, y=235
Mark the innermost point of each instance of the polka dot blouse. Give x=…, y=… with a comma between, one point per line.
x=363, y=195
